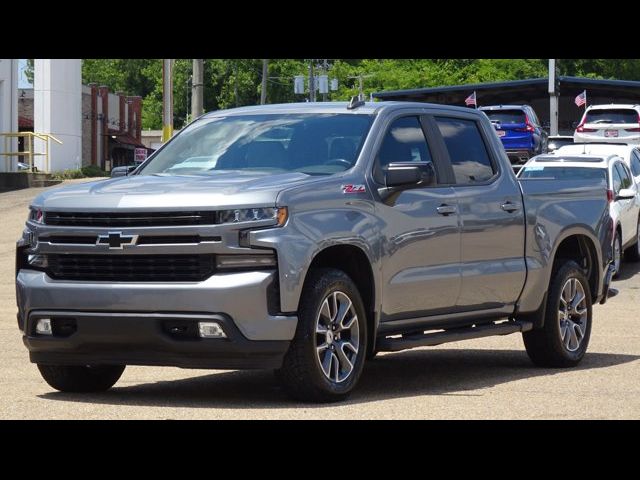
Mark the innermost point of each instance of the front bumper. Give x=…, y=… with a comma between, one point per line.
x=142, y=339
x=118, y=322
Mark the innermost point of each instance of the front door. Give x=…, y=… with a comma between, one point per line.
x=421, y=236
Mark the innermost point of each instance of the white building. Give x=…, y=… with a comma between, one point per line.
x=8, y=109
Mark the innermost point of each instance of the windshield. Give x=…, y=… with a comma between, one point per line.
x=563, y=173
x=506, y=116
x=613, y=115
x=316, y=144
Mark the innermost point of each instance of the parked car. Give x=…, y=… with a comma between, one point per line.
x=557, y=141
x=519, y=130
x=321, y=234
x=615, y=123
x=623, y=193
x=629, y=153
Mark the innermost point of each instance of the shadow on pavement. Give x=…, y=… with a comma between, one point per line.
x=628, y=270
x=404, y=374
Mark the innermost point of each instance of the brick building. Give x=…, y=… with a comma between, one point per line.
x=111, y=125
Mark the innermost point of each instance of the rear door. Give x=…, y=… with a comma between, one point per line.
x=511, y=127
x=628, y=207
x=635, y=164
x=612, y=122
x=490, y=207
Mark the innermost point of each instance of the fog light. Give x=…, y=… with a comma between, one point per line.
x=43, y=327
x=38, y=261
x=210, y=330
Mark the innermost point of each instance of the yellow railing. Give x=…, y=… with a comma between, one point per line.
x=29, y=148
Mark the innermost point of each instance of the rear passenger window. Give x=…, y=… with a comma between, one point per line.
x=617, y=180
x=624, y=175
x=467, y=150
x=635, y=164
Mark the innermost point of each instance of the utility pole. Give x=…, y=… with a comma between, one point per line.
x=167, y=99
x=265, y=75
x=326, y=69
x=197, y=89
x=312, y=87
x=553, y=99
x=361, y=94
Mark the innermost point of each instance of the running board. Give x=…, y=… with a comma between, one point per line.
x=389, y=344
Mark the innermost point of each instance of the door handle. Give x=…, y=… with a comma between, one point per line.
x=446, y=209
x=510, y=207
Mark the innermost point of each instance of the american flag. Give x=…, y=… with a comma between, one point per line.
x=581, y=99
x=471, y=100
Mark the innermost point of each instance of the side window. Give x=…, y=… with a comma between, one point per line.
x=635, y=163
x=467, y=150
x=617, y=180
x=533, y=117
x=624, y=175
x=403, y=142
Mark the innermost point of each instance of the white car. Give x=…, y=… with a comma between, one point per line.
x=615, y=123
x=623, y=193
x=629, y=153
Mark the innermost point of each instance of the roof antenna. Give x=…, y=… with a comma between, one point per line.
x=355, y=102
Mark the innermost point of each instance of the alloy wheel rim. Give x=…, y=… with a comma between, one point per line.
x=572, y=314
x=617, y=255
x=337, y=337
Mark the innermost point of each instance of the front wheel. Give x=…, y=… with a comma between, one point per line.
x=564, y=338
x=327, y=353
x=81, y=378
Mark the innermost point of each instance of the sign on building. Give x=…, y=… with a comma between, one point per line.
x=140, y=155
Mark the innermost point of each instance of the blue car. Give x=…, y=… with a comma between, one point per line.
x=519, y=129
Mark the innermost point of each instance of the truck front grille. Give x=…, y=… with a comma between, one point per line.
x=131, y=268
x=133, y=219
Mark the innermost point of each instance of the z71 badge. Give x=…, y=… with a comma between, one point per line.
x=350, y=188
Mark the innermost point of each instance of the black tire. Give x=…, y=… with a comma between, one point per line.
x=545, y=346
x=617, y=240
x=81, y=378
x=301, y=374
x=632, y=253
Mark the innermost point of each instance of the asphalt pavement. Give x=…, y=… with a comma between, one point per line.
x=490, y=378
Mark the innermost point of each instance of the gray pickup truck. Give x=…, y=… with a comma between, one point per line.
x=306, y=238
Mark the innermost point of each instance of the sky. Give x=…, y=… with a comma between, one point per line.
x=22, y=79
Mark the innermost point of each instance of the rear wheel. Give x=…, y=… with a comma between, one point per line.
x=617, y=254
x=633, y=252
x=81, y=378
x=327, y=353
x=564, y=338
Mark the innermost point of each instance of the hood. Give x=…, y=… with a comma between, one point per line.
x=172, y=192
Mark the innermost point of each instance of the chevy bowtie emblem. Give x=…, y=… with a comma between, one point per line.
x=116, y=240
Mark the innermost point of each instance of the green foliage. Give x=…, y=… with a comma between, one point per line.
x=84, y=172
x=93, y=171
x=235, y=82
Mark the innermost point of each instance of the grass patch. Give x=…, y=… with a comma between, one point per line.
x=88, y=171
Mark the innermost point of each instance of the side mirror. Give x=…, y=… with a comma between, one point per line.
x=409, y=174
x=122, y=171
x=626, y=193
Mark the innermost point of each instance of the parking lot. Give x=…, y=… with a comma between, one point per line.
x=486, y=378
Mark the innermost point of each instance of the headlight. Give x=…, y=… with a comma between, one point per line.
x=277, y=214
x=232, y=262
x=36, y=215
